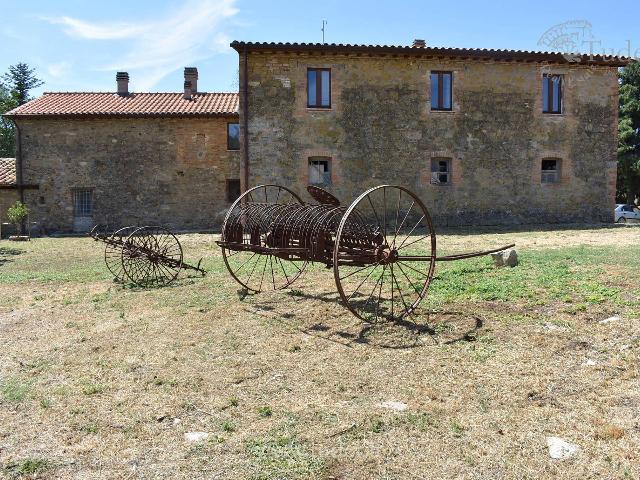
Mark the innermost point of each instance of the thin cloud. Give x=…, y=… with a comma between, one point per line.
x=155, y=48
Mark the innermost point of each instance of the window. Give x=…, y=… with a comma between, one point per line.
x=82, y=202
x=319, y=170
x=550, y=170
x=551, y=93
x=233, y=189
x=233, y=136
x=441, y=171
x=441, y=90
x=319, y=88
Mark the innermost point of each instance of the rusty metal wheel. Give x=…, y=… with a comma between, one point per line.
x=151, y=257
x=248, y=233
x=385, y=254
x=113, y=252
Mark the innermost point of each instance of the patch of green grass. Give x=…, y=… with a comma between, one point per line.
x=89, y=428
x=14, y=391
x=29, y=466
x=457, y=429
x=265, y=411
x=281, y=456
x=228, y=426
x=234, y=402
x=91, y=388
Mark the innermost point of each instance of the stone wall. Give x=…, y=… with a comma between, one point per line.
x=380, y=129
x=168, y=171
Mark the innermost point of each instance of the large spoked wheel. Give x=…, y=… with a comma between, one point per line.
x=384, y=254
x=151, y=257
x=248, y=227
x=113, y=252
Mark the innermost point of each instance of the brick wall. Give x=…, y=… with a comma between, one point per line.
x=168, y=171
x=380, y=129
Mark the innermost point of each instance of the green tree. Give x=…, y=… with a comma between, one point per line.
x=15, y=86
x=20, y=80
x=7, y=136
x=629, y=134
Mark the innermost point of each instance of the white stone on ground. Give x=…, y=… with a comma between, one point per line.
x=615, y=318
x=505, y=258
x=397, y=406
x=561, y=449
x=590, y=362
x=195, y=436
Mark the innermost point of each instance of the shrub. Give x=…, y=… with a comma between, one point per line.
x=17, y=213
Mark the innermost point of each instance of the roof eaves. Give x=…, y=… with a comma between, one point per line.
x=479, y=54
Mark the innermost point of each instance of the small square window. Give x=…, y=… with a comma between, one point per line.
x=551, y=93
x=233, y=136
x=441, y=171
x=233, y=189
x=441, y=91
x=550, y=170
x=319, y=88
x=82, y=202
x=319, y=171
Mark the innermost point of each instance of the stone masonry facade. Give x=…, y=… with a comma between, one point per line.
x=168, y=171
x=380, y=129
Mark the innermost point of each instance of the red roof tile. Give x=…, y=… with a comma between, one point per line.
x=132, y=105
x=7, y=171
x=439, y=52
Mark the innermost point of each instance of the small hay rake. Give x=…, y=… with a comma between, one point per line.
x=147, y=256
x=382, y=247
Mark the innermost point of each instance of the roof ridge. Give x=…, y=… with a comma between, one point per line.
x=135, y=93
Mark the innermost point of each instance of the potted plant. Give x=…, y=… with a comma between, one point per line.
x=17, y=214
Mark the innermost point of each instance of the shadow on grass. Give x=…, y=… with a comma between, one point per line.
x=6, y=253
x=404, y=333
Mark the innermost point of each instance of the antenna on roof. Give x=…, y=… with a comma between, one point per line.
x=324, y=22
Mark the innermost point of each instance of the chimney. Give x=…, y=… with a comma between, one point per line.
x=187, y=90
x=417, y=43
x=191, y=75
x=122, y=79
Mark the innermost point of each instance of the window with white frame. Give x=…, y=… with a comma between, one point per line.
x=82, y=202
x=319, y=170
x=441, y=171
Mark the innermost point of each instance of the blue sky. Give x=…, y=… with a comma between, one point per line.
x=78, y=45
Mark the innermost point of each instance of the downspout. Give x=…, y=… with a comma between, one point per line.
x=245, y=119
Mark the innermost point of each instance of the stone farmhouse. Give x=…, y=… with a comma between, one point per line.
x=482, y=136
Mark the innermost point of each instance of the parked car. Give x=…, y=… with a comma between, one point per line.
x=627, y=214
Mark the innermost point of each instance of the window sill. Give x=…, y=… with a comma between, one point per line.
x=549, y=114
x=319, y=109
x=233, y=149
x=442, y=111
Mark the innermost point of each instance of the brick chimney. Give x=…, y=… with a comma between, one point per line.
x=417, y=43
x=187, y=90
x=122, y=79
x=191, y=75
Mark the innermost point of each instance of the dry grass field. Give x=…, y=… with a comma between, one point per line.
x=102, y=381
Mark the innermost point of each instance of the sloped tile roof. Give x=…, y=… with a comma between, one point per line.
x=132, y=105
x=7, y=171
x=438, y=52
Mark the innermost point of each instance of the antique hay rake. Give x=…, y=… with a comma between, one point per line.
x=147, y=256
x=382, y=248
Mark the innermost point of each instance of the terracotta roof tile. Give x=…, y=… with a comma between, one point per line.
x=132, y=105
x=7, y=171
x=441, y=52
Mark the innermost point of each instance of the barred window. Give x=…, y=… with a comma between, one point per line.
x=550, y=170
x=83, y=202
x=319, y=170
x=441, y=171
